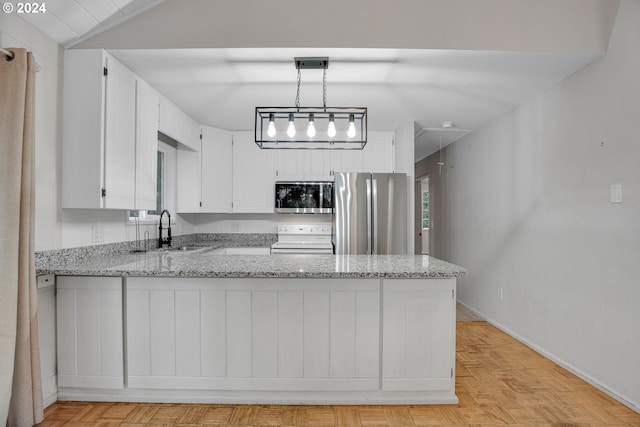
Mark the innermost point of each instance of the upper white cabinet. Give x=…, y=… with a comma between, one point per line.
x=217, y=171
x=378, y=154
x=303, y=165
x=189, y=181
x=205, y=176
x=178, y=125
x=101, y=131
x=146, y=145
x=308, y=165
x=253, y=175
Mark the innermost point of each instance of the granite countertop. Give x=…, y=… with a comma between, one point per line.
x=206, y=262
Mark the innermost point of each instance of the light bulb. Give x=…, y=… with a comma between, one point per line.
x=311, y=130
x=291, y=130
x=271, y=130
x=352, y=127
x=331, y=130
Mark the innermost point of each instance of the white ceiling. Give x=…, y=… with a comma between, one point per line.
x=67, y=21
x=221, y=87
x=215, y=60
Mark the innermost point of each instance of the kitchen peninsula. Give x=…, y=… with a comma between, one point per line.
x=198, y=326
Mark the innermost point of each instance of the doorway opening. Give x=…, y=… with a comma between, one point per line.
x=423, y=207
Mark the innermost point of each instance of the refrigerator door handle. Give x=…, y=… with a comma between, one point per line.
x=374, y=214
x=369, y=216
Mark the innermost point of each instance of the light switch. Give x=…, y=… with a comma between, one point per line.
x=616, y=193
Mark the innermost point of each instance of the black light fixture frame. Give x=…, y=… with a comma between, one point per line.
x=320, y=115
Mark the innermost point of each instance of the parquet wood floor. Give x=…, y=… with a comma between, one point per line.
x=500, y=382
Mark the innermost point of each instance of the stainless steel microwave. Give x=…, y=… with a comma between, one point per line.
x=304, y=197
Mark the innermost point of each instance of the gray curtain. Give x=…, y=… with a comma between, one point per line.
x=20, y=388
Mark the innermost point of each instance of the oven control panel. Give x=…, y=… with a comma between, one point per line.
x=305, y=230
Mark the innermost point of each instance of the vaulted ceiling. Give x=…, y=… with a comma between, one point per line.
x=428, y=61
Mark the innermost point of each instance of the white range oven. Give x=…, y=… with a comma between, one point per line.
x=303, y=239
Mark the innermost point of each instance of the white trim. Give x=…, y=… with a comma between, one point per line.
x=634, y=406
x=259, y=397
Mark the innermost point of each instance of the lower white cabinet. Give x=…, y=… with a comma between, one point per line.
x=47, y=337
x=266, y=340
x=418, y=335
x=253, y=334
x=90, y=332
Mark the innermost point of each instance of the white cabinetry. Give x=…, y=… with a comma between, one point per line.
x=178, y=125
x=100, y=133
x=47, y=337
x=309, y=165
x=378, y=154
x=253, y=334
x=418, y=335
x=303, y=165
x=253, y=175
x=188, y=183
x=147, y=100
x=90, y=334
x=205, y=175
x=217, y=170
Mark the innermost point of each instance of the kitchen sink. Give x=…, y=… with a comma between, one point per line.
x=242, y=251
x=184, y=248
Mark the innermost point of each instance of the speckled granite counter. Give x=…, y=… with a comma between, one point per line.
x=206, y=263
x=190, y=264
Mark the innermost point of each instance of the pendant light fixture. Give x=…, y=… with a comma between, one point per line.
x=333, y=128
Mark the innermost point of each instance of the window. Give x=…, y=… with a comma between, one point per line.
x=425, y=210
x=165, y=186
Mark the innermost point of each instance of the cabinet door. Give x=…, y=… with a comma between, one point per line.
x=418, y=334
x=146, y=145
x=303, y=165
x=378, y=154
x=83, y=129
x=217, y=171
x=90, y=337
x=253, y=175
x=346, y=161
x=120, y=137
x=188, y=181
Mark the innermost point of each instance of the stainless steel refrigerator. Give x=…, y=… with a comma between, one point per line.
x=370, y=213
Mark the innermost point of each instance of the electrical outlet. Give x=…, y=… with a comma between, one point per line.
x=97, y=231
x=499, y=294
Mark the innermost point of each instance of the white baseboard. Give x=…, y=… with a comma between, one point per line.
x=634, y=406
x=259, y=397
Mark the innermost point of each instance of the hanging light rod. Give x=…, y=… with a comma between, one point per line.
x=314, y=128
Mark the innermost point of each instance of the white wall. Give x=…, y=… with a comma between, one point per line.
x=529, y=212
x=55, y=227
x=48, y=54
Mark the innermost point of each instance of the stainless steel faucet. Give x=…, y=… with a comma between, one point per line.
x=164, y=241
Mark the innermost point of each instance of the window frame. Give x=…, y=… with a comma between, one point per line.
x=169, y=186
